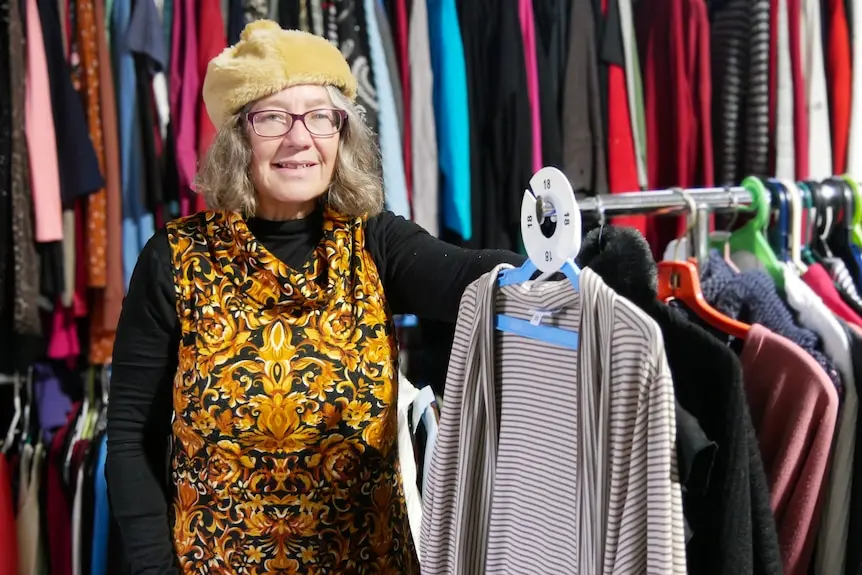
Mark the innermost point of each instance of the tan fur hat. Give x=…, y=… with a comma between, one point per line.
x=266, y=60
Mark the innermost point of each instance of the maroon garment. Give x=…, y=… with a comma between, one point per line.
x=673, y=44
x=8, y=529
x=58, y=508
x=821, y=282
x=800, y=109
x=401, y=37
x=794, y=409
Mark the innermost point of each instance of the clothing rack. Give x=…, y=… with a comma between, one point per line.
x=673, y=201
x=666, y=202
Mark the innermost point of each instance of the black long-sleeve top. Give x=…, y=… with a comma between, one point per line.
x=421, y=275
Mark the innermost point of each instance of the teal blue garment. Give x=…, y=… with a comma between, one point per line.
x=101, y=514
x=391, y=144
x=452, y=115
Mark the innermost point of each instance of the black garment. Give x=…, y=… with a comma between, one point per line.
x=354, y=44
x=550, y=58
x=421, y=275
x=584, y=156
x=80, y=174
x=288, y=14
x=500, y=126
x=733, y=527
x=236, y=21
x=740, y=37
x=7, y=264
x=151, y=175
x=695, y=454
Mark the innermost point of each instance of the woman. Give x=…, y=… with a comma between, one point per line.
x=259, y=336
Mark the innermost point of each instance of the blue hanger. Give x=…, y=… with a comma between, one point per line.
x=779, y=233
x=556, y=185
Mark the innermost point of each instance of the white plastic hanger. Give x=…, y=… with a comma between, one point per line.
x=15, y=380
x=795, y=225
x=550, y=197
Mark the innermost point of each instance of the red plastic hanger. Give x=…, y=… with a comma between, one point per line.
x=680, y=280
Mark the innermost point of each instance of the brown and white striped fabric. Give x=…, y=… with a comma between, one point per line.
x=551, y=460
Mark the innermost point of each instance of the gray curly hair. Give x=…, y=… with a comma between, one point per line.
x=356, y=189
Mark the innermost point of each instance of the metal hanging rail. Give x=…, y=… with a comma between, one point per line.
x=666, y=202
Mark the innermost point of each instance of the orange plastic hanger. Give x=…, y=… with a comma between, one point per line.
x=680, y=280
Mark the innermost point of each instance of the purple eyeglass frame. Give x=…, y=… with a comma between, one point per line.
x=294, y=118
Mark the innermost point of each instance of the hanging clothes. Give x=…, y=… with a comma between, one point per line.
x=211, y=42
x=8, y=529
x=813, y=314
x=622, y=156
x=816, y=92
x=423, y=152
x=854, y=145
x=800, y=106
x=456, y=134
x=673, y=41
x=794, y=409
x=26, y=342
x=730, y=526
x=784, y=140
x=394, y=183
x=584, y=145
x=501, y=145
x=528, y=36
x=40, y=134
x=839, y=75
x=739, y=38
x=467, y=479
x=551, y=19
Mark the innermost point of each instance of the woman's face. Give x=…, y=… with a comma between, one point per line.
x=292, y=161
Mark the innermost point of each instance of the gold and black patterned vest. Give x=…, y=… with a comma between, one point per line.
x=285, y=457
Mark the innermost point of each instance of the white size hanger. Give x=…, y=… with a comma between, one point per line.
x=550, y=198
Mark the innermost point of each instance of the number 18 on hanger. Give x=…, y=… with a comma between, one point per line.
x=551, y=230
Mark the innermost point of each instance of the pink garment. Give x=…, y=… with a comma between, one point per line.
x=64, y=343
x=794, y=408
x=821, y=283
x=185, y=87
x=528, y=32
x=41, y=140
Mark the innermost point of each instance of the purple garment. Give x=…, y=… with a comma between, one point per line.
x=751, y=297
x=54, y=404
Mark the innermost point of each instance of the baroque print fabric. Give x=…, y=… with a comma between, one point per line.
x=285, y=400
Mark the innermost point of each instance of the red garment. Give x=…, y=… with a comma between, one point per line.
x=8, y=529
x=794, y=409
x=622, y=159
x=673, y=41
x=839, y=76
x=819, y=280
x=211, y=41
x=402, y=36
x=64, y=343
x=184, y=98
x=800, y=99
x=57, y=507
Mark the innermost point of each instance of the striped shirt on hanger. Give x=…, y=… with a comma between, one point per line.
x=551, y=460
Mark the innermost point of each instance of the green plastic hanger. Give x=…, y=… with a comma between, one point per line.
x=856, y=223
x=752, y=238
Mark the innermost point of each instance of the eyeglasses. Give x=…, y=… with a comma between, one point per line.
x=275, y=123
